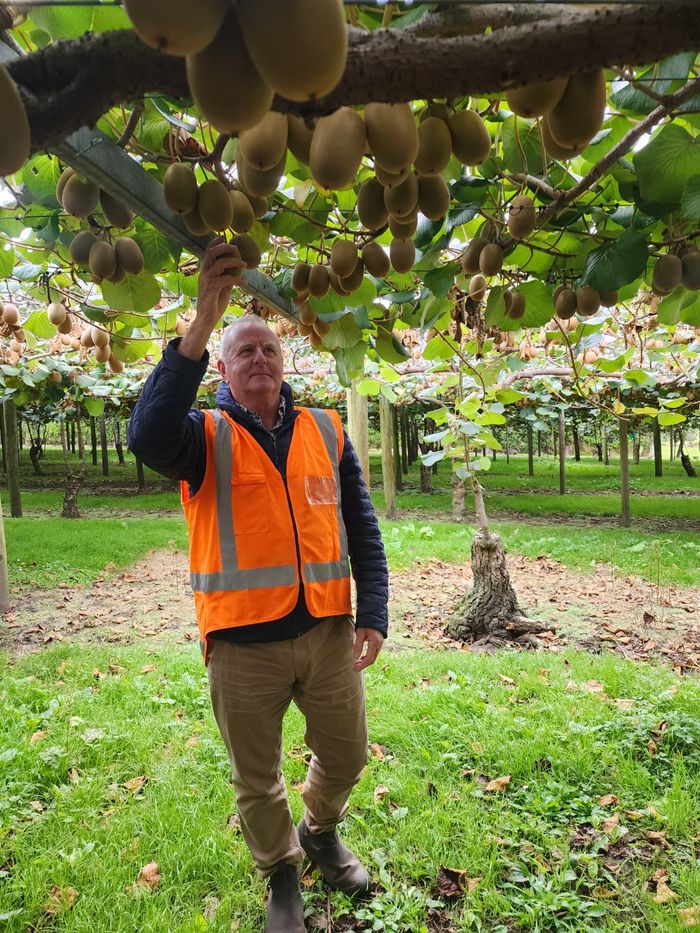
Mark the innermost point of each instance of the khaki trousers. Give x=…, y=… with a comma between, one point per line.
x=251, y=689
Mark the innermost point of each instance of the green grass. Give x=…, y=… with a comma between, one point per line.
x=448, y=722
x=50, y=501
x=47, y=552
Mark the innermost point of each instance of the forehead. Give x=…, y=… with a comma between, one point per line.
x=253, y=333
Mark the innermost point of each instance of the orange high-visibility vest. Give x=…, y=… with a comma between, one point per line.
x=244, y=565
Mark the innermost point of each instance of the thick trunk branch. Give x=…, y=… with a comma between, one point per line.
x=72, y=83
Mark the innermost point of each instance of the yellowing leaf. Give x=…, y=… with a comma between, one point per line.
x=498, y=785
x=149, y=876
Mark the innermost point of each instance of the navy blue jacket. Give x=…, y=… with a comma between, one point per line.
x=167, y=434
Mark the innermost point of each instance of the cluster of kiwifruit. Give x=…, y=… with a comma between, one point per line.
x=674, y=269
x=11, y=327
x=527, y=351
x=584, y=301
x=570, y=110
x=86, y=338
x=106, y=260
x=239, y=55
x=483, y=256
x=212, y=208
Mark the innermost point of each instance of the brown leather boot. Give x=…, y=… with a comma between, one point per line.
x=285, y=910
x=342, y=870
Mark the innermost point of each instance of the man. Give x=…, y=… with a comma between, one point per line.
x=276, y=504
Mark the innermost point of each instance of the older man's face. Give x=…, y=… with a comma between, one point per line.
x=254, y=365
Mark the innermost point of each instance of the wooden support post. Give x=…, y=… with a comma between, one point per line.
x=624, y=473
x=140, y=475
x=358, y=427
x=539, y=444
x=103, y=445
x=397, y=449
x=79, y=431
x=71, y=428
x=4, y=577
x=93, y=440
x=507, y=444
x=606, y=450
x=554, y=442
x=577, y=444
x=386, y=432
x=671, y=438
x=9, y=413
x=404, y=441
x=530, y=451
x=658, y=457
x=2, y=439
x=562, y=454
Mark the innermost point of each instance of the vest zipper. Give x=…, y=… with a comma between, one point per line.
x=299, y=633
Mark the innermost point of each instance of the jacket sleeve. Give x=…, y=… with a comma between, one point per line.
x=164, y=432
x=367, y=556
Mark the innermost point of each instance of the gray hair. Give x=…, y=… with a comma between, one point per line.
x=228, y=338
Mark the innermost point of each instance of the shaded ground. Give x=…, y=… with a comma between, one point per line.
x=598, y=611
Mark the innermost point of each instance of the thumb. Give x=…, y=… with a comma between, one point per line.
x=359, y=645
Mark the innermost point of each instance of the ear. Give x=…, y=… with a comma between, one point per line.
x=221, y=366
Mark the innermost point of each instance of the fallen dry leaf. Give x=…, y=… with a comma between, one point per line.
x=608, y=799
x=453, y=883
x=657, y=836
x=36, y=805
x=60, y=899
x=136, y=783
x=192, y=742
x=234, y=823
x=378, y=751
x=663, y=893
x=689, y=916
x=605, y=893
x=507, y=680
x=116, y=669
x=149, y=876
x=147, y=668
x=380, y=792
x=38, y=736
x=624, y=703
x=611, y=822
x=498, y=785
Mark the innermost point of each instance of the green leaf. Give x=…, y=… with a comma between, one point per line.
x=526, y=140
x=668, y=418
x=349, y=362
x=662, y=78
x=7, y=261
x=136, y=293
x=368, y=387
x=159, y=252
x=690, y=202
x=440, y=280
x=95, y=406
x=344, y=333
x=41, y=175
x=297, y=228
x=38, y=323
x=539, y=305
x=671, y=307
x=440, y=348
x=63, y=22
x=674, y=402
x=613, y=265
x=666, y=164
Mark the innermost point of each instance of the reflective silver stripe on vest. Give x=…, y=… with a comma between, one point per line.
x=232, y=577
x=338, y=569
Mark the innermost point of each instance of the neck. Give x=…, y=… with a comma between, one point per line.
x=267, y=408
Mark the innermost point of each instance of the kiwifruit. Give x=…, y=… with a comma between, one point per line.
x=80, y=247
x=336, y=286
x=668, y=272
x=80, y=196
x=116, y=213
x=194, y=223
x=321, y=327
x=304, y=330
x=477, y=287
x=307, y=315
x=552, y=147
x=248, y=248
x=402, y=201
x=370, y=204
x=67, y=326
x=264, y=144
x=10, y=314
x=403, y=229
x=118, y=276
x=319, y=281
x=516, y=309
x=337, y=147
x=299, y=46
x=471, y=142
x=491, y=259
x=261, y=184
x=392, y=135
x=180, y=188
x=579, y=114
x=376, y=260
x=100, y=337
x=178, y=27
x=214, y=205
x=521, y=216
x=243, y=216
x=17, y=346
x=62, y=182
x=299, y=138
x=470, y=256
x=115, y=364
x=129, y=255
x=433, y=196
x=300, y=277
x=434, y=146
x=86, y=338
x=57, y=313
x=15, y=140
x=225, y=84
x=103, y=261
x=608, y=299
x=691, y=271
x=389, y=179
x=301, y=297
x=536, y=99
x=436, y=109
x=402, y=254
x=353, y=281
x=102, y=354
x=587, y=301
x=259, y=203
x=343, y=257
x=566, y=304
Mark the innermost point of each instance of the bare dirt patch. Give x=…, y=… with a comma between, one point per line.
x=597, y=611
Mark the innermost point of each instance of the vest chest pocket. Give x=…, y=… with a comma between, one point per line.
x=321, y=490
x=251, y=513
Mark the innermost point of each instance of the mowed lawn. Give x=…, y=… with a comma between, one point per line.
x=563, y=793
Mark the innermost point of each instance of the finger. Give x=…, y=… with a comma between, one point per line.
x=359, y=646
x=225, y=264
x=215, y=252
x=227, y=282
